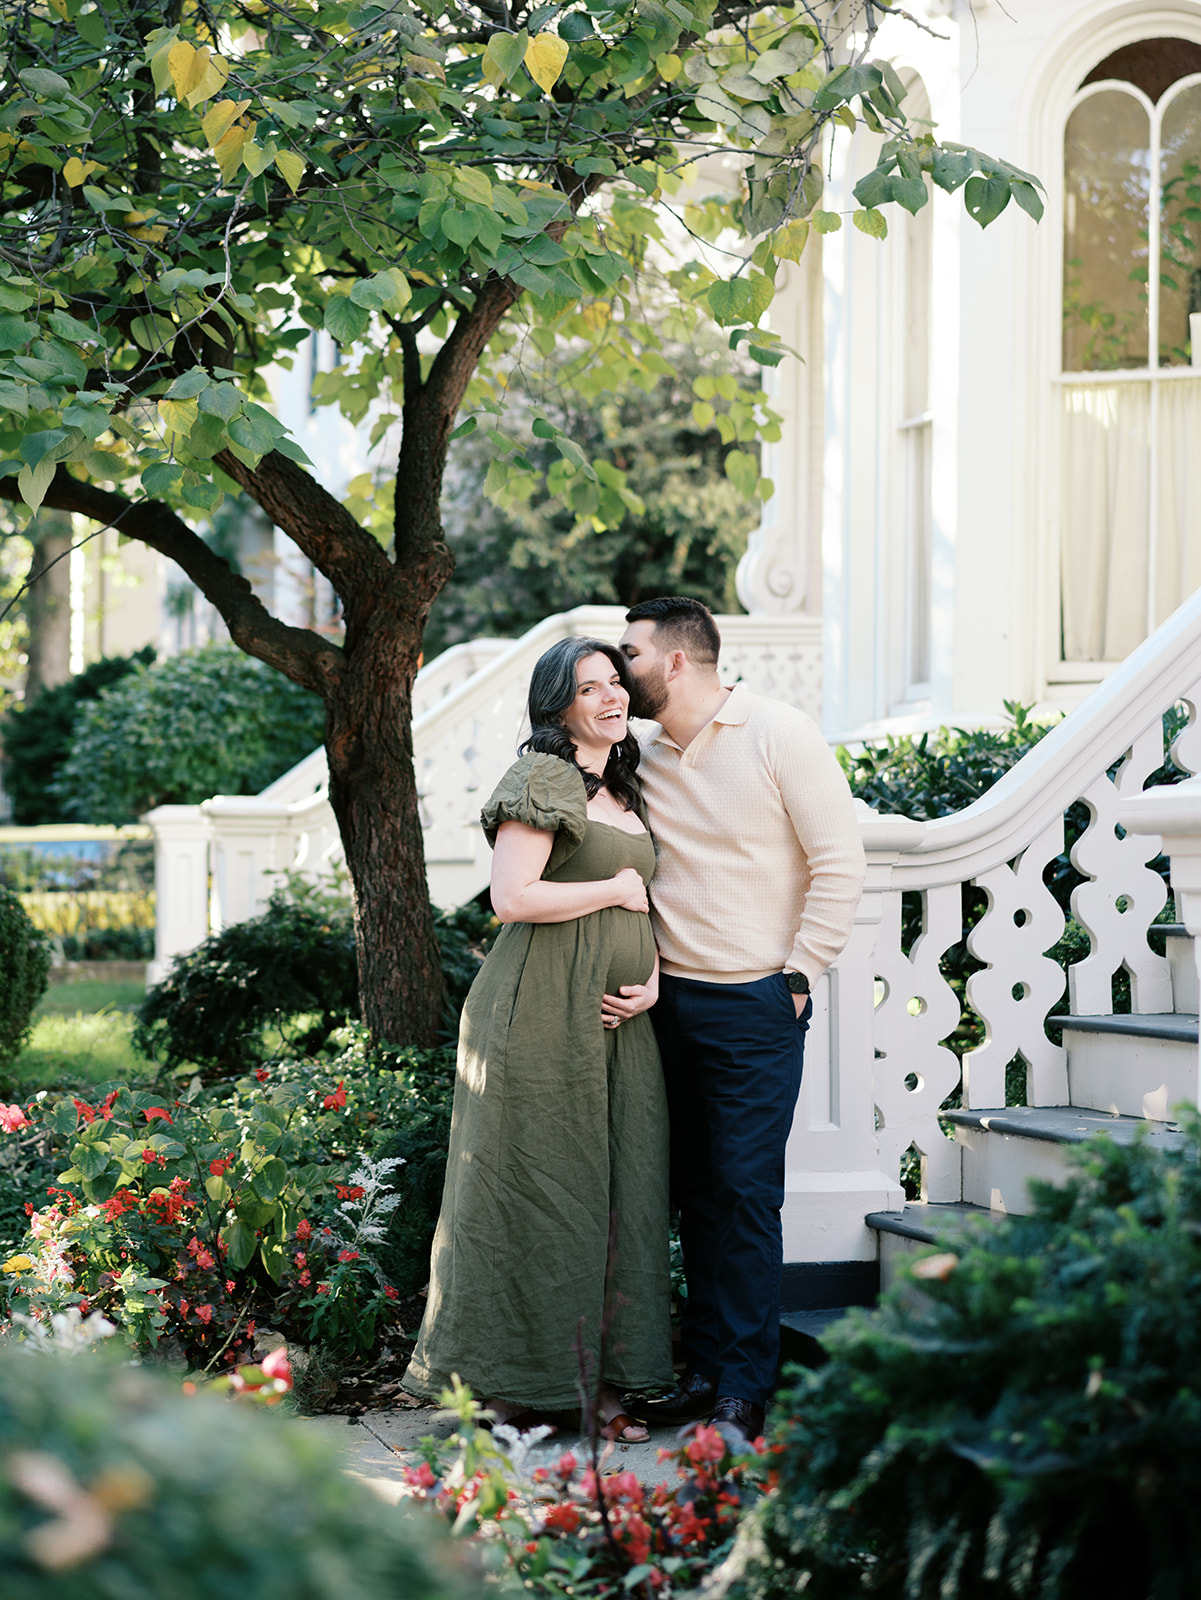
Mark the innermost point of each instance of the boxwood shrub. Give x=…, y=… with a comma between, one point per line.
x=1027, y=1425
x=24, y=967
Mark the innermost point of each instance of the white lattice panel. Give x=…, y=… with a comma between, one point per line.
x=1019, y=985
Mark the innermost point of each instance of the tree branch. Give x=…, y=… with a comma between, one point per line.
x=308, y=659
x=316, y=523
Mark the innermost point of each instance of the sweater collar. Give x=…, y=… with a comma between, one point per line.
x=735, y=710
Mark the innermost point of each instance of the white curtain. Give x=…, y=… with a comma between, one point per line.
x=1178, y=546
x=1104, y=519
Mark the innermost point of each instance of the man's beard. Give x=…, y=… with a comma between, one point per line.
x=648, y=694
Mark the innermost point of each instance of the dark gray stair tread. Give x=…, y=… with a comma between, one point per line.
x=1173, y=930
x=813, y=1323
x=1065, y=1124
x=926, y=1223
x=1177, y=1026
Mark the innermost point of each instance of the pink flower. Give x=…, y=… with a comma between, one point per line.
x=566, y=1464
x=421, y=1477
x=12, y=1118
x=300, y=1258
x=85, y=1111
x=205, y=1313
x=277, y=1365
x=304, y=1230
x=305, y=1278
x=323, y=1288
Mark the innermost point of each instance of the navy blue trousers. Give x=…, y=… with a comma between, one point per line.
x=732, y=1056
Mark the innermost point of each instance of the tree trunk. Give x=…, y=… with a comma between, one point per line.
x=48, y=605
x=373, y=792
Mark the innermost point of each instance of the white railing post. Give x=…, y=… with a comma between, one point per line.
x=833, y=1171
x=252, y=838
x=1173, y=812
x=181, y=882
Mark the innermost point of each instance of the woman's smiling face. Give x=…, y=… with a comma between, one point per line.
x=596, y=718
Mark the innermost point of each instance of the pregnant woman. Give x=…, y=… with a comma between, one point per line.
x=553, y=1230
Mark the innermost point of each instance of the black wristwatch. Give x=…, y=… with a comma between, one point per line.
x=797, y=982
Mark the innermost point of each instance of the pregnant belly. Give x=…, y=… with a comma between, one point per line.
x=631, y=951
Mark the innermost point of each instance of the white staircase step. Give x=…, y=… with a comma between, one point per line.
x=1178, y=946
x=902, y=1233
x=1137, y=1066
x=1006, y=1147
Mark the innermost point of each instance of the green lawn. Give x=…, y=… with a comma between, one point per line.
x=81, y=1032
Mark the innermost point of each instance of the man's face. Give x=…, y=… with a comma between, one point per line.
x=648, y=669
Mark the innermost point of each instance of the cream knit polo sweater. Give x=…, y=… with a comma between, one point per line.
x=760, y=859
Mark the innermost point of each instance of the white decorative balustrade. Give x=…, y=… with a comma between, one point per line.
x=217, y=861
x=1002, y=845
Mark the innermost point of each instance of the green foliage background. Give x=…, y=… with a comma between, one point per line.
x=24, y=965
x=37, y=739
x=211, y=721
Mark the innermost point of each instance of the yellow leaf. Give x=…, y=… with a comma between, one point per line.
x=154, y=235
x=668, y=67
x=228, y=150
x=545, y=56
x=212, y=81
x=196, y=74
x=789, y=242
x=178, y=415
x=61, y=7
x=76, y=171
x=218, y=120
x=291, y=168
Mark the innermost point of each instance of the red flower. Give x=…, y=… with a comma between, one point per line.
x=421, y=1477
x=338, y=1098
x=229, y=1286
x=305, y=1278
x=220, y=1167
x=158, y=1111
x=85, y=1111
x=706, y=1444
x=349, y=1255
x=566, y=1464
x=393, y=1294
x=149, y=1155
x=261, y=1074
x=563, y=1518
x=348, y=1192
x=304, y=1230
x=323, y=1288
x=205, y=1313
x=300, y=1258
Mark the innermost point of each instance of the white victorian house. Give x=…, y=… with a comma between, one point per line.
x=989, y=488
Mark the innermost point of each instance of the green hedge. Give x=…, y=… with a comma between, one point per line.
x=117, y=1486
x=24, y=966
x=1029, y=1425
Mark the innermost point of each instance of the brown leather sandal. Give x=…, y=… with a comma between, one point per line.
x=620, y=1425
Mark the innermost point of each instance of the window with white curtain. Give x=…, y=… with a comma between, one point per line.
x=1130, y=547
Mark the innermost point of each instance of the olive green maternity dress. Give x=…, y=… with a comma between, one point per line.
x=558, y=1123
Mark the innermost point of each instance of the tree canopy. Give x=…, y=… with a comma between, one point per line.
x=186, y=191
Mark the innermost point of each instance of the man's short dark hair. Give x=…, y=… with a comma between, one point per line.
x=681, y=624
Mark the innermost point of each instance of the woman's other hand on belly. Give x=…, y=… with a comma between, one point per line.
x=630, y=999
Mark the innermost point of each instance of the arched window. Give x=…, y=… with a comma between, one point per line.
x=1131, y=359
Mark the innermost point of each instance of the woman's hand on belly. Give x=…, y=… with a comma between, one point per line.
x=630, y=999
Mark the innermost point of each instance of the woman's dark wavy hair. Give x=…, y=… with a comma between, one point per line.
x=552, y=689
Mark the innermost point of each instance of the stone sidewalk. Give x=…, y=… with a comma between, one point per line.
x=380, y=1444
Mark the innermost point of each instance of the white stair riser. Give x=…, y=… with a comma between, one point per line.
x=997, y=1166
x=1186, y=995
x=895, y=1253
x=1136, y=1077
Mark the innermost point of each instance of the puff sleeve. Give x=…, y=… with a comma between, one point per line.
x=543, y=792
